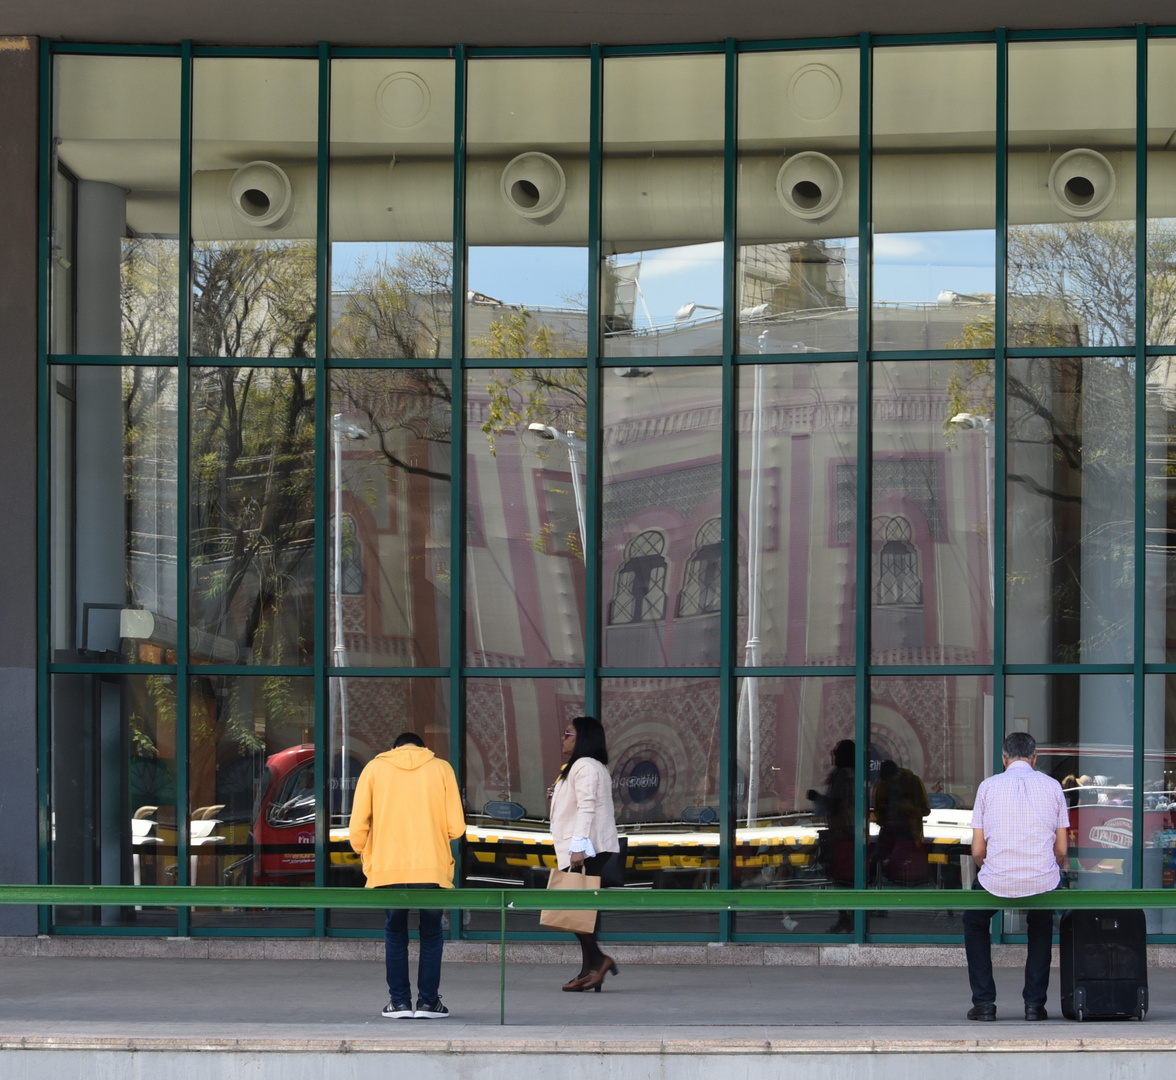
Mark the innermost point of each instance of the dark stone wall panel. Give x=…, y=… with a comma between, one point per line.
x=18, y=473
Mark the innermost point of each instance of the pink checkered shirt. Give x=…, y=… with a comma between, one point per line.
x=1020, y=811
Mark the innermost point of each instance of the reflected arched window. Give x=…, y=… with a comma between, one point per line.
x=899, y=582
x=702, y=588
x=639, y=595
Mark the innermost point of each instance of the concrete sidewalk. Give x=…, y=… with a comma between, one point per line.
x=164, y=1018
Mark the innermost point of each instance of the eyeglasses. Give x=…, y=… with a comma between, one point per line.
x=568, y=735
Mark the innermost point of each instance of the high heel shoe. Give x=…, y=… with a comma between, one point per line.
x=594, y=979
x=574, y=986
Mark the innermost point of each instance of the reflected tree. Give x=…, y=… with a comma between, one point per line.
x=252, y=508
x=149, y=296
x=399, y=407
x=1069, y=424
x=254, y=299
x=524, y=395
x=399, y=309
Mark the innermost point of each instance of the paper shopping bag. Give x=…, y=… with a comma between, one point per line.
x=575, y=922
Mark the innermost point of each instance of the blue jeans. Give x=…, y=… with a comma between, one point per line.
x=396, y=952
x=978, y=948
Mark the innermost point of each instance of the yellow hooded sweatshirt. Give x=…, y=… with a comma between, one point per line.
x=407, y=808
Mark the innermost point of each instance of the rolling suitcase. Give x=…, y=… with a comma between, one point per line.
x=1104, y=965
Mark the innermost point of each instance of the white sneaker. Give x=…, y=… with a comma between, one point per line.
x=431, y=1010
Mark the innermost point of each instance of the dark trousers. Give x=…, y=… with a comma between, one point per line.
x=978, y=948
x=396, y=952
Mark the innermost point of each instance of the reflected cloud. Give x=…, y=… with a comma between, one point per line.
x=680, y=260
x=898, y=247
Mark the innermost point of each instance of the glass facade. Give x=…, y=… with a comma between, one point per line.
x=780, y=405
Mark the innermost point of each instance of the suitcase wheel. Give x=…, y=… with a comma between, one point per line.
x=1079, y=1015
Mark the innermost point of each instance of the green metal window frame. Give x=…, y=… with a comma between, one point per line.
x=728, y=672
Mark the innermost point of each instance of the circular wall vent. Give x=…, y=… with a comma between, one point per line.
x=261, y=194
x=1082, y=182
x=809, y=185
x=534, y=186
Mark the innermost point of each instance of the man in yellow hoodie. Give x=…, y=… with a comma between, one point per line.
x=407, y=807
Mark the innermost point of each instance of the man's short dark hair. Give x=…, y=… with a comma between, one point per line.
x=408, y=738
x=1019, y=745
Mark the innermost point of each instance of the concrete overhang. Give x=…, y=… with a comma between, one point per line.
x=542, y=22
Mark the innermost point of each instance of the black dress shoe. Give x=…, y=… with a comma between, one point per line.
x=982, y=1012
x=1036, y=1012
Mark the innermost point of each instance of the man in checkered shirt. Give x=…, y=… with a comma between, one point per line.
x=1020, y=833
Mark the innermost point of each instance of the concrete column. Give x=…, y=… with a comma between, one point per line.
x=100, y=545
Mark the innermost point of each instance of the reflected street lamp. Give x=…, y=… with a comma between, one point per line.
x=340, y=430
x=966, y=421
x=575, y=446
x=686, y=311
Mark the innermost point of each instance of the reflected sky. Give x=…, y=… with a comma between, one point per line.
x=908, y=268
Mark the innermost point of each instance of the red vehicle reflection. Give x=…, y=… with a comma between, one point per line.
x=283, y=829
x=283, y=818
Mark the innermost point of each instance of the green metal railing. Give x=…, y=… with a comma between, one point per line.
x=518, y=900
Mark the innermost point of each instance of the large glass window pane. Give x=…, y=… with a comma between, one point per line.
x=391, y=208
x=116, y=205
x=1160, y=309
x=789, y=798
x=251, y=526
x=512, y=757
x=527, y=208
x=662, y=279
x=930, y=747
x=251, y=791
x=254, y=209
x=526, y=461
x=1159, y=795
x=798, y=203
x=931, y=542
x=1160, y=594
x=661, y=516
x=1071, y=175
x=663, y=741
x=1083, y=726
x=113, y=791
x=934, y=196
x=113, y=514
x=797, y=484
x=1070, y=500
x=390, y=506
x=367, y=716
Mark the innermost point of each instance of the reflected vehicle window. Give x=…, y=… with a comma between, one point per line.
x=294, y=804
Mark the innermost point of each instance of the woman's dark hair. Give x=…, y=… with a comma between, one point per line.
x=843, y=754
x=590, y=742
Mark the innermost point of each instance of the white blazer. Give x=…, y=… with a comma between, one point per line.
x=582, y=805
